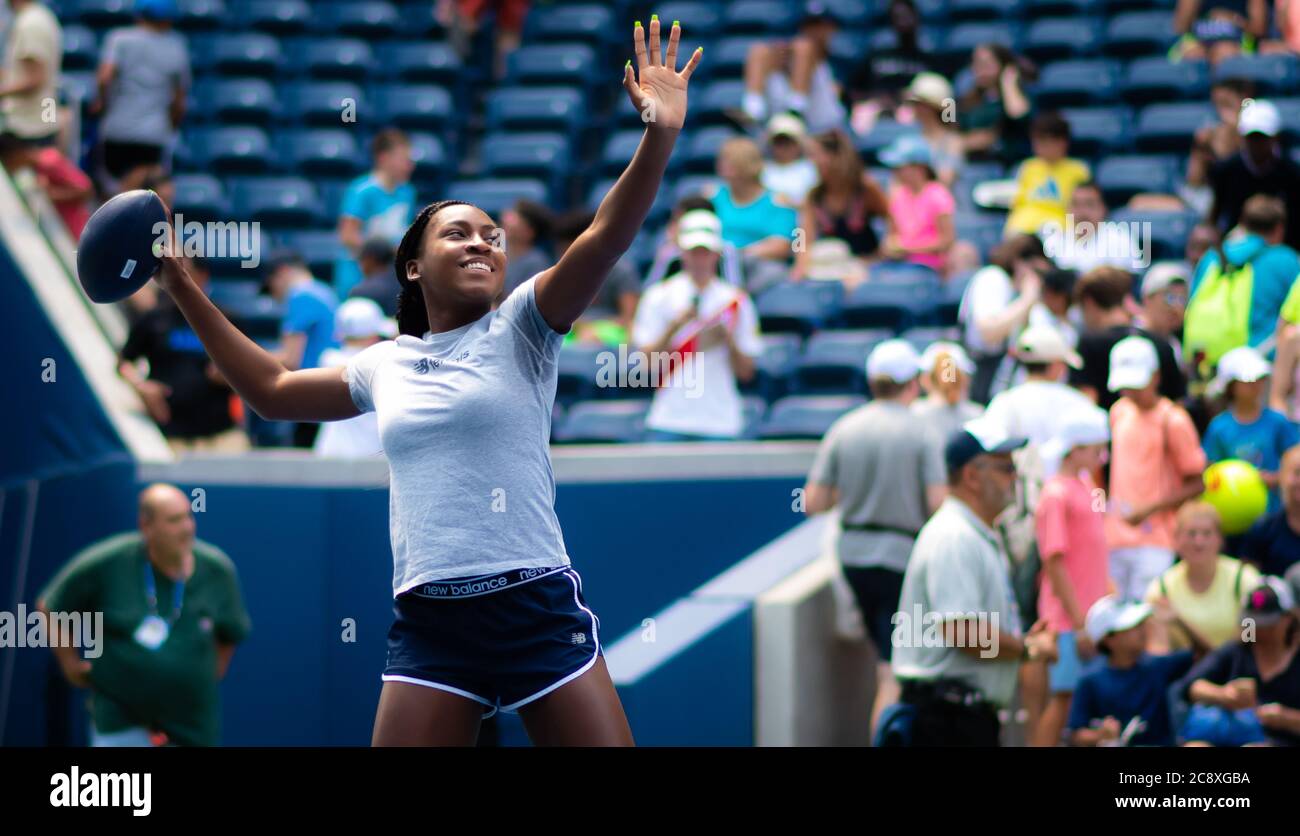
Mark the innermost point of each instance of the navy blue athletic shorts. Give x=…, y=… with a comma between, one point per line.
x=503, y=639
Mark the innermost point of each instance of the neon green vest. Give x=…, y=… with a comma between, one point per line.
x=1218, y=314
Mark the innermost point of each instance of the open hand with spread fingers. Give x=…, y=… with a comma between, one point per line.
x=657, y=89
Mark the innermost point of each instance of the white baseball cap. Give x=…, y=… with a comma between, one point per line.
x=699, y=228
x=1111, y=615
x=1259, y=116
x=360, y=317
x=1162, y=274
x=894, y=359
x=934, y=351
x=1045, y=344
x=1086, y=425
x=1133, y=362
x=786, y=124
x=1242, y=363
x=930, y=88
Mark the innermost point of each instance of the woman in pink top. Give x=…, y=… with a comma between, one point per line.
x=1070, y=523
x=920, y=207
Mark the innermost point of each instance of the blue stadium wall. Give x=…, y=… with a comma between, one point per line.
x=309, y=558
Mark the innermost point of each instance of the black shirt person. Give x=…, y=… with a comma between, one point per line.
x=182, y=392
x=1261, y=167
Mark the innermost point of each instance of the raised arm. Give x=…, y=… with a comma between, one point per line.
x=658, y=91
x=270, y=389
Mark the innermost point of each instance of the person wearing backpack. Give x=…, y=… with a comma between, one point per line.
x=1239, y=304
x=1198, y=599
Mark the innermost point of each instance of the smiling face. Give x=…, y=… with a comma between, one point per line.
x=462, y=260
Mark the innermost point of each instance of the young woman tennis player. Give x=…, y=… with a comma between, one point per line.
x=488, y=613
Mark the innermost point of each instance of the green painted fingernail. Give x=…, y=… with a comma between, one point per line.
x=653, y=18
x=628, y=64
x=638, y=24
x=676, y=22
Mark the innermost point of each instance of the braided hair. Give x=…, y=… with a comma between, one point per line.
x=412, y=315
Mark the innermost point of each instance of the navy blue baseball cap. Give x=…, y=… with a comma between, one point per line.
x=979, y=437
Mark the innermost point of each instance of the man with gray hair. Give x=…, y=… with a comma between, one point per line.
x=173, y=615
x=882, y=468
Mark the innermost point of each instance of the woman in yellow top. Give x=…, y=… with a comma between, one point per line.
x=1197, y=601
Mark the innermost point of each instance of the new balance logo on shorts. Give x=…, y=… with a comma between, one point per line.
x=469, y=587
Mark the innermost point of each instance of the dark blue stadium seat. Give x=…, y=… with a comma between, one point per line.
x=1078, y=82
x=1063, y=8
x=80, y=48
x=716, y=101
x=1169, y=230
x=435, y=63
x=1063, y=38
x=1122, y=176
x=727, y=57
x=278, y=17
x=577, y=365
x=1098, y=130
x=759, y=17
x=961, y=11
x=806, y=417
x=323, y=103
x=752, y=410
x=983, y=229
x=78, y=87
x=259, y=317
x=1272, y=74
x=956, y=47
x=1156, y=79
x=835, y=361
x=543, y=64
x=320, y=248
x=331, y=191
x=1171, y=127
x=414, y=106
x=603, y=422
x=276, y=201
x=246, y=53
x=949, y=301
x=343, y=59
x=1289, y=110
x=201, y=16
x=923, y=337
x=799, y=307
x=494, y=195
x=541, y=155
x=430, y=158
x=659, y=210
x=535, y=109
x=1139, y=33
x=238, y=293
x=1117, y=6
x=882, y=135
x=228, y=150
x=321, y=152
x=893, y=305
x=369, y=19
x=851, y=14
x=237, y=100
x=621, y=146
x=702, y=148
x=702, y=19
x=100, y=14
x=200, y=197
x=775, y=365
x=588, y=22
x=694, y=184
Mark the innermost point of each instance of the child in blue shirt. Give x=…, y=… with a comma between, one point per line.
x=1125, y=700
x=1249, y=430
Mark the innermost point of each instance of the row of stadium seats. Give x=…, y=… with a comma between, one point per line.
x=623, y=421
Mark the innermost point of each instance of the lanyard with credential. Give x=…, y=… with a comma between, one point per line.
x=151, y=594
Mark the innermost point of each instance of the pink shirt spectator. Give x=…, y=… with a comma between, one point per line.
x=1068, y=524
x=1151, y=453
x=60, y=172
x=916, y=219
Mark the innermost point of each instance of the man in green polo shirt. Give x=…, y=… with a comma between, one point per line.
x=172, y=618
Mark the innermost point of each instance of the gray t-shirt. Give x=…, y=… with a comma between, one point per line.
x=150, y=66
x=622, y=279
x=880, y=459
x=465, y=421
x=945, y=418
x=957, y=568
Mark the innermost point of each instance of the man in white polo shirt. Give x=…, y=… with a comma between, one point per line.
x=883, y=469
x=703, y=331
x=957, y=673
